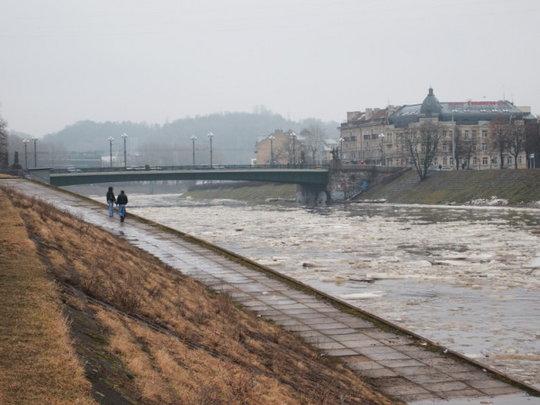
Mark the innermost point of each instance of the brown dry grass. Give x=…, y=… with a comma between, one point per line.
x=181, y=342
x=37, y=361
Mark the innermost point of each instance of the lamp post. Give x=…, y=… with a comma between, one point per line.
x=193, y=139
x=124, y=137
x=293, y=136
x=271, y=138
x=35, y=151
x=210, y=137
x=381, y=145
x=110, y=139
x=25, y=141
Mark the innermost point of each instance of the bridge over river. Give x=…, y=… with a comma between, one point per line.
x=316, y=184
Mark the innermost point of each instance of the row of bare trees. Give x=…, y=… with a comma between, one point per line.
x=421, y=144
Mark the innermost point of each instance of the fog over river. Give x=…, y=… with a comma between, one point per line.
x=466, y=277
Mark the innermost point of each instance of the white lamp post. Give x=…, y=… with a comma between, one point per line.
x=293, y=136
x=25, y=141
x=271, y=137
x=381, y=145
x=193, y=139
x=210, y=137
x=110, y=139
x=124, y=137
x=35, y=151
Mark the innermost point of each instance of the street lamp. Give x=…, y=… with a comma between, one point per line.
x=25, y=141
x=35, y=152
x=271, y=137
x=124, y=137
x=193, y=139
x=381, y=145
x=110, y=139
x=293, y=136
x=210, y=137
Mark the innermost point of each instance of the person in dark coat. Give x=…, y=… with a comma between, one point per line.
x=111, y=199
x=122, y=201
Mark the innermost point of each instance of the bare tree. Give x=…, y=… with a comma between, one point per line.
x=464, y=146
x=4, y=157
x=499, y=131
x=532, y=141
x=314, y=142
x=516, y=141
x=421, y=144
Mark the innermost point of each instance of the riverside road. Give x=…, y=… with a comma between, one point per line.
x=398, y=363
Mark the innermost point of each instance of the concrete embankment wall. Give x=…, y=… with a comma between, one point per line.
x=518, y=187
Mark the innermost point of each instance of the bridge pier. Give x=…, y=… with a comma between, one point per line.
x=311, y=194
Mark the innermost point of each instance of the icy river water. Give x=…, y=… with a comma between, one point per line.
x=466, y=277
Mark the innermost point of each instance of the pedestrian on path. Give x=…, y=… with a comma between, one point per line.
x=122, y=201
x=111, y=199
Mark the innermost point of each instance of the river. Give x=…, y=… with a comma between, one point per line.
x=466, y=277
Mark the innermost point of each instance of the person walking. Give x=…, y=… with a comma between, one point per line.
x=111, y=199
x=122, y=200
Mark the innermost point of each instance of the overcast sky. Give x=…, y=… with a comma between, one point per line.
x=157, y=60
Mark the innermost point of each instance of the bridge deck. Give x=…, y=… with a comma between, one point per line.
x=278, y=175
x=399, y=364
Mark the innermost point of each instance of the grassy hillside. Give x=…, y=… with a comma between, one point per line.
x=37, y=360
x=519, y=187
x=144, y=332
x=257, y=193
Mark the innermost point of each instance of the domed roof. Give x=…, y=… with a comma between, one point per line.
x=431, y=105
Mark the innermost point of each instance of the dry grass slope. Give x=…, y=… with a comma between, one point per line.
x=165, y=338
x=37, y=361
x=519, y=187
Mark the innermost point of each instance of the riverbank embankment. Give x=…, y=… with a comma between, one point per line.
x=481, y=188
x=464, y=187
x=90, y=318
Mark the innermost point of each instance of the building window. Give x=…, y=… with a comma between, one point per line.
x=484, y=147
x=451, y=161
x=509, y=160
x=366, y=136
x=444, y=133
x=484, y=133
x=484, y=160
x=445, y=160
x=445, y=147
x=374, y=136
x=466, y=134
x=494, y=160
x=474, y=133
x=474, y=160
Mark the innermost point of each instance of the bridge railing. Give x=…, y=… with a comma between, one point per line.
x=182, y=167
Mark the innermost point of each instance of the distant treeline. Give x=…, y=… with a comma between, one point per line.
x=235, y=135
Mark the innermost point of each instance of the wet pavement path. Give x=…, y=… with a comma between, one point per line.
x=397, y=364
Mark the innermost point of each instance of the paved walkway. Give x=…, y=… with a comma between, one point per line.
x=396, y=364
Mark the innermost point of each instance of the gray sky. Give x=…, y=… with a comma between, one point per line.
x=67, y=60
